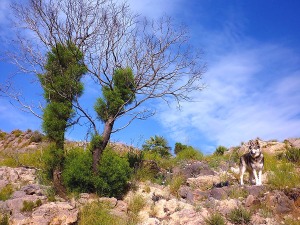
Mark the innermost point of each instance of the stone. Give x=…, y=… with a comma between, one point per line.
x=186, y=193
x=279, y=202
x=218, y=193
x=203, y=182
x=249, y=200
x=55, y=213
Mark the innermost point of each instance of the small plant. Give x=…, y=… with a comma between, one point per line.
x=2, y=135
x=293, y=155
x=237, y=192
x=97, y=213
x=136, y=204
x=175, y=184
x=215, y=219
x=36, y=137
x=17, y=132
x=220, y=150
x=28, y=206
x=4, y=219
x=147, y=189
x=239, y=216
x=6, y=192
x=50, y=193
x=38, y=203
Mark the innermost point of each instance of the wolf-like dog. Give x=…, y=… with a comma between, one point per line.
x=253, y=162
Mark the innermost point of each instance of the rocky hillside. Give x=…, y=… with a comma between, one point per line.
x=192, y=192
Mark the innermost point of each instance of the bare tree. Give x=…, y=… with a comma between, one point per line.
x=110, y=36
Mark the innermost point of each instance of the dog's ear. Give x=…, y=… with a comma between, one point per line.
x=257, y=142
x=250, y=143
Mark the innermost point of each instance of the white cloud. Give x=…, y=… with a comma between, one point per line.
x=243, y=100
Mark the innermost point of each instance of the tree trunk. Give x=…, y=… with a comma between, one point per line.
x=97, y=152
x=57, y=182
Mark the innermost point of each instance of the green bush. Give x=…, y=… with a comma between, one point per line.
x=17, y=132
x=2, y=135
x=189, y=154
x=215, y=219
x=220, y=150
x=51, y=158
x=179, y=147
x=293, y=155
x=113, y=176
x=36, y=137
x=111, y=180
x=239, y=216
x=28, y=206
x=6, y=192
x=77, y=173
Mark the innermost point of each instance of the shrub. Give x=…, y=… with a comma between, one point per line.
x=159, y=145
x=220, y=150
x=175, y=184
x=2, y=135
x=97, y=213
x=136, y=204
x=36, y=137
x=293, y=155
x=111, y=180
x=17, y=132
x=179, y=147
x=114, y=174
x=189, y=154
x=4, y=219
x=6, y=192
x=51, y=158
x=239, y=216
x=77, y=173
x=215, y=219
x=135, y=159
x=28, y=206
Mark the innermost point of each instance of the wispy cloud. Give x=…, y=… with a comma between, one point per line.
x=247, y=97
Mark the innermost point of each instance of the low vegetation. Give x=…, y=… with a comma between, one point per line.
x=6, y=192
x=215, y=219
x=98, y=213
x=239, y=216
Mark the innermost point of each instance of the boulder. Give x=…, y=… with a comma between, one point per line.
x=279, y=202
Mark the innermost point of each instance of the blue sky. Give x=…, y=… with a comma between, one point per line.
x=253, y=76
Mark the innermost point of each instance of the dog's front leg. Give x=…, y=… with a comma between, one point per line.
x=259, y=177
x=242, y=171
x=256, y=177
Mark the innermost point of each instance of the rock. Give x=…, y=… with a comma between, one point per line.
x=203, y=182
x=186, y=217
x=279, y=202
x=195, y=169
x=249, y=200
x=254, y=190
x=294, y=142
x=185, y=192
x=112, y=202
x=151, y=221
x=225, y=206
x=55, y=213
x=218, y=193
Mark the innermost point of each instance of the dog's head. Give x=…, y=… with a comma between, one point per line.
x=254, y=148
